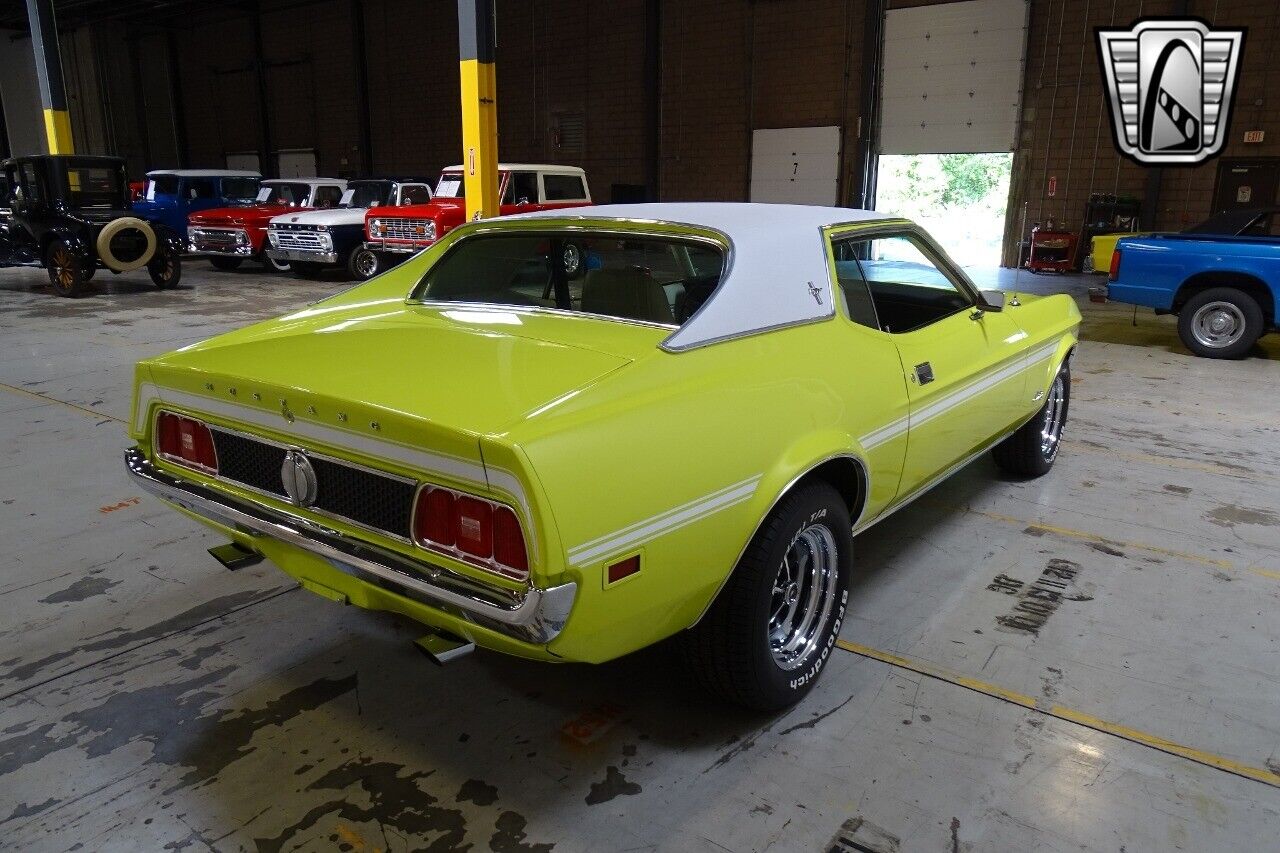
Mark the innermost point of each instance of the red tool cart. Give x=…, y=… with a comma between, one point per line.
x=1051, y=249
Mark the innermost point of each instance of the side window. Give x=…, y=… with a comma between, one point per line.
x=327, y=196
x=414, y=194
x=853, y=286
x=10, y=186
x=909, y=290
x=564, y=188
x=201, y=188
x=522, y=188
x=1275, y=225
x=28, y=183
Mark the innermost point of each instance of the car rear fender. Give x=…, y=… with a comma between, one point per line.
x=831, y=457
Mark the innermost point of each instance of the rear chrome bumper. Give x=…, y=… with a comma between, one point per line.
x=532, y=615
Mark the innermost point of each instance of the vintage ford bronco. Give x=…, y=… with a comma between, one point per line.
x=396, y=233
x=317, y=239
x=228, y=235
x=70, y=215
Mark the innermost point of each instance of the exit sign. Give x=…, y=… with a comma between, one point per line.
x=1254, y=135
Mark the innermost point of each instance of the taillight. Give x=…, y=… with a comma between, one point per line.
x=1114, y=274
x=473, y=526
x=508, y=540
x=477, y=531
x=433, y=518
x=186, y=441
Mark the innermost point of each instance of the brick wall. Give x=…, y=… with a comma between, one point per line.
x=727, y=66
x=1066, y=129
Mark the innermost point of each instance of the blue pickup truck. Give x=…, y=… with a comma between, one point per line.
x=171, y=195
x=1225, y=288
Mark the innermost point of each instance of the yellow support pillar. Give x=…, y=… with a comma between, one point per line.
x=57, y=129
x=53, y=95
x=476, y=43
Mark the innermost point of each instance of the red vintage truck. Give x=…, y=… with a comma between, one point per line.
x=395, y=233
x=229, y=235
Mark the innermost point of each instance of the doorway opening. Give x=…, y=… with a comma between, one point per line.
x=959, y=199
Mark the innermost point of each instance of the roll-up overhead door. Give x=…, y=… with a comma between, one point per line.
x=952, y=79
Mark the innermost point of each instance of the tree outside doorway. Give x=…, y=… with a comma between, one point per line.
x=959, y=199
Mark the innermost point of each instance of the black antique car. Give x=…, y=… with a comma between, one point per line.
x=70, y=215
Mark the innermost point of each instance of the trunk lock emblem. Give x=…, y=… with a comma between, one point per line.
x=299, y=478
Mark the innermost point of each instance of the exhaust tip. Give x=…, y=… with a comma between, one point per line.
x=234, y=556
x=441, y=648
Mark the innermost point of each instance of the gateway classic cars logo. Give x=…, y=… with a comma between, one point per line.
x=1171, y=82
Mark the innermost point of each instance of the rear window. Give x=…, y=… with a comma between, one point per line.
x=94, y=186
x=646, y=279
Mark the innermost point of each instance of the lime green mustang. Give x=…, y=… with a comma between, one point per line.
x=567, y=436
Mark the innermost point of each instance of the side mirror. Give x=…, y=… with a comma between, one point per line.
x=992, y=300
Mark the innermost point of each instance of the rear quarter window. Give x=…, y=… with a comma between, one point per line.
x=564, y=188
x=629, y=277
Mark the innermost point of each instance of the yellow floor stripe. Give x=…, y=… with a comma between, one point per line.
x=1062, y=712
x=1267, y=573
x=42, y=398
x=1102, y=540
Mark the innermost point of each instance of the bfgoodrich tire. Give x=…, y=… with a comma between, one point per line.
x=765, y=639
x=1221, y=322
x=1032, y=450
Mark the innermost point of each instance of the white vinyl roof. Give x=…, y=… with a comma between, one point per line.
x=528, y=167
x=341, y=182
x=205, y=173
x=777, y=260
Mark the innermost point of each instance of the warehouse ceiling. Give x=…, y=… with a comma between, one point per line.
x=166, y=13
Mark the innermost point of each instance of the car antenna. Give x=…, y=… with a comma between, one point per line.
x=1022, y=233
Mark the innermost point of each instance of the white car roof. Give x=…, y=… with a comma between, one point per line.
x=777, y=258
x=342, y=182
x=528, y=167
x=331, y=216
x=205, y=173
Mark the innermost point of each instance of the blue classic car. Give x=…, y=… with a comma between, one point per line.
x=170, y=195
x=1224, y=289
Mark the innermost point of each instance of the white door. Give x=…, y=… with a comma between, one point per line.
x=297, y=163
x=247, y=160
x=952, y=77
x=795, y=165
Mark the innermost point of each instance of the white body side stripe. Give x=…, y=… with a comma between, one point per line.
x=943, y=404
x=664, y=522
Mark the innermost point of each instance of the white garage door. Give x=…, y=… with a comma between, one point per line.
x=795, y=165
x=952, y=77
x=296, y=162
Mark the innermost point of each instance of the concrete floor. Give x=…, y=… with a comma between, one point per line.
x=152, y=700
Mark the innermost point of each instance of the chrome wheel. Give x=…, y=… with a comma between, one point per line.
x=365, y=263
x=1054, y=410
x=1218, y=325
x=804, y=593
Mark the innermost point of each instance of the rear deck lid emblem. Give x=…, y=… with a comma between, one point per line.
x=299, y=478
